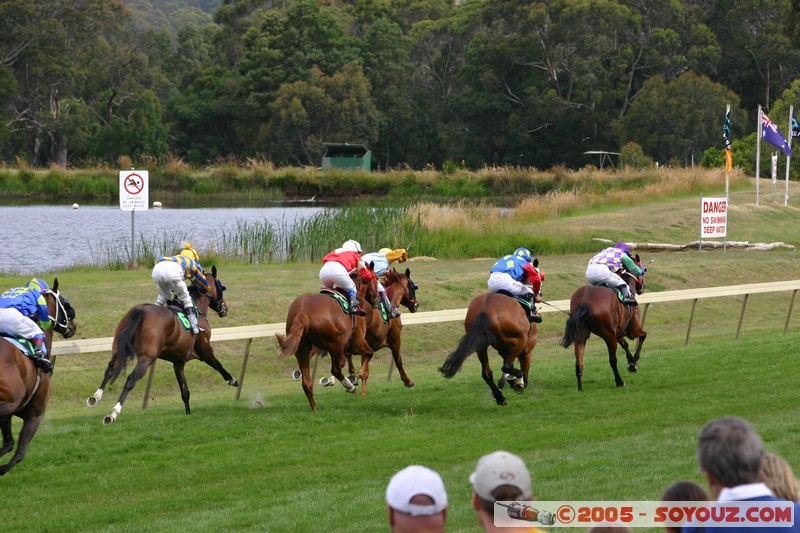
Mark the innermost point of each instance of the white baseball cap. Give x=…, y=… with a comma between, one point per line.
x=413, y=481
x=500, y=468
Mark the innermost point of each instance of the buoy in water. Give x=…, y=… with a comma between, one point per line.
x=156, y=205
x=75, y=206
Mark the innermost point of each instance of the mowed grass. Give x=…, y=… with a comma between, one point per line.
x=267, y=463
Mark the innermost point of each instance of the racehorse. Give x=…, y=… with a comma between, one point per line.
x=148, y=332
x=598, y=310
x=24, y=389
x=316, y=322
x=499, y=321
x=401, y=290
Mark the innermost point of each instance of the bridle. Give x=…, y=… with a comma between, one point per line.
x=64, y=328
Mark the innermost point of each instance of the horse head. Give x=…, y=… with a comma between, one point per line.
x=367, y=288
x=409, y=292
x=63, y=315
x=639, y=279
x=217, y=302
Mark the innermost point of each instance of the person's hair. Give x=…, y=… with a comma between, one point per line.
x=777, y=474
x=730, y=451
x=503, y=493
x=684, y=491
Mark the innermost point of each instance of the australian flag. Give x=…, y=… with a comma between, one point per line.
x=771, y=134
x=726, y=134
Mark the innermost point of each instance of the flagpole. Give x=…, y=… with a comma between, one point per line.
x=788, y=157
x=727, y=174
x=758, y=152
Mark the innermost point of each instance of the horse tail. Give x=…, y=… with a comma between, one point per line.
x=126, y=351
x=288, y=343
x=576, y=318
x=479, y=337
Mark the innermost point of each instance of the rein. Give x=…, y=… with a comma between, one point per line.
x=33, y=393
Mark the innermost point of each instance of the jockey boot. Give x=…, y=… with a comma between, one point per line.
x=40, y=360
x=392, y=310
x=533, y=316
x=354, y=308
x=191, y=314
x=630, y=301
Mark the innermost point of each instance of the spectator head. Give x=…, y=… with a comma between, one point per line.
x=416, y=500
x=499, y=476
x=777, y=474
x=729, y=453
x=683, y=491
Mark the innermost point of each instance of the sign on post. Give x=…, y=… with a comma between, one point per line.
x=133, y=190
x=713, y=218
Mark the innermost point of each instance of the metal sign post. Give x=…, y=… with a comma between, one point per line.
x=133, y=196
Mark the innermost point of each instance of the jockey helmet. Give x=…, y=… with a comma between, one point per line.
x=624, y=247
x=524, y=254
x=384, y=251
x=352, y=246
x=190, y=252
x=39, y=284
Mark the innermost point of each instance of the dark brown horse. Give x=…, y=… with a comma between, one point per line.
x=316, y=322
x=24, y=389
x=599, y=310
x=148, y=332
x=401, y=290
x=499, y=321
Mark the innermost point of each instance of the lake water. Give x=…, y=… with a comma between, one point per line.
x=46, y=238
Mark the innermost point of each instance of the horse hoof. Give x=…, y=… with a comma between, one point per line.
x=620, y=384
x=351, y=391
x=91, y=401
x=233, y=382
x=107, y=420
x=633, y=369
x=410, y=383
x=518, y=389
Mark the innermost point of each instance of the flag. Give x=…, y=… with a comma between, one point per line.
x=726, y=134
x=771, y=134
x=795, y=127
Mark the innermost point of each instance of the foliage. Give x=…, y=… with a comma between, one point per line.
x=633, y=156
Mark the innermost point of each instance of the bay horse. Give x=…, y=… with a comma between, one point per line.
x=25, y=389
x=498, y=321
x=401, y=290
x=598, y=310
x=316, y=322
x=148, y=332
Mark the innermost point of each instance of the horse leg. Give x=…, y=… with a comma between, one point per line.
x=363, y=374
x=611, y=343
x=336, y=369
x=631, y=362
x=29, y=426
x=8, y=437
x=303, y=357
x=95, y=398
x=580, y=349
x=486, y=372
x=394, y=345
x=138, y=373
x=180, y=375
x=639, y=342
x=205, y=353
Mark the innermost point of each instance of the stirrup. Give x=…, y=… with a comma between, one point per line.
x=536, y=317
x=45, y=365
x=630, y=301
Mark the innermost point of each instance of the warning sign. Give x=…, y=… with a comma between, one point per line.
x=133, y=191
x=713, y=217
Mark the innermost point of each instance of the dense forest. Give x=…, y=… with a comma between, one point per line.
x=421, y=82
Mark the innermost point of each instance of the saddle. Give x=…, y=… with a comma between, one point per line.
x=614, y=290
x=526, y=305
x=177, y=310
x=341, y=298
x=23, y=344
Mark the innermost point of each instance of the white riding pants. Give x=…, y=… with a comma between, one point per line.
x=334, y=274
x=598, y=274
x=169, y=277
x=502, y=281
x=15, y=323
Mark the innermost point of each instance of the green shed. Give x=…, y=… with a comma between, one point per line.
x=346, y=155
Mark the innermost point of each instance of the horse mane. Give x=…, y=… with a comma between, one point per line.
x=390, y=276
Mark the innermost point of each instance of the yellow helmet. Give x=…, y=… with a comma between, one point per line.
x=189, y=252
x=384, y=251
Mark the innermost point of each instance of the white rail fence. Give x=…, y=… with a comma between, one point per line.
x=249, y=333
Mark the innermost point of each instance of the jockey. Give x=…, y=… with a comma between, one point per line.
x=169, y=275
x=506, y=274
x=337, y=267
x=381, y=261
x=604, y=269
x=24, y=314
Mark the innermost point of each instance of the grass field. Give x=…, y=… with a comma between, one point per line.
x=267, y=463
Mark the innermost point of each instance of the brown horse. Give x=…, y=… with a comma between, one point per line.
x=598, y=310
x=499, y=321
x=401, y=290
x=24, y=389
x=316, y=322
x=148, y=332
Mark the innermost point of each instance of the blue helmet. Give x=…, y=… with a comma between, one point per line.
x=624, y=247
x=524, y=254
x=39, y=284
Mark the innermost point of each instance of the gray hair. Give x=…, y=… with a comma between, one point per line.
x=730, y=451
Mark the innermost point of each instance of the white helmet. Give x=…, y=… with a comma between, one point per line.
x=352, y=246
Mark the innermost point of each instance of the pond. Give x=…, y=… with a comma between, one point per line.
x=44, y=238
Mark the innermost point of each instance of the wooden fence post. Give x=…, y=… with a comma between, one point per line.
x=741, y=316
x=789, y=314
x=691, y=319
